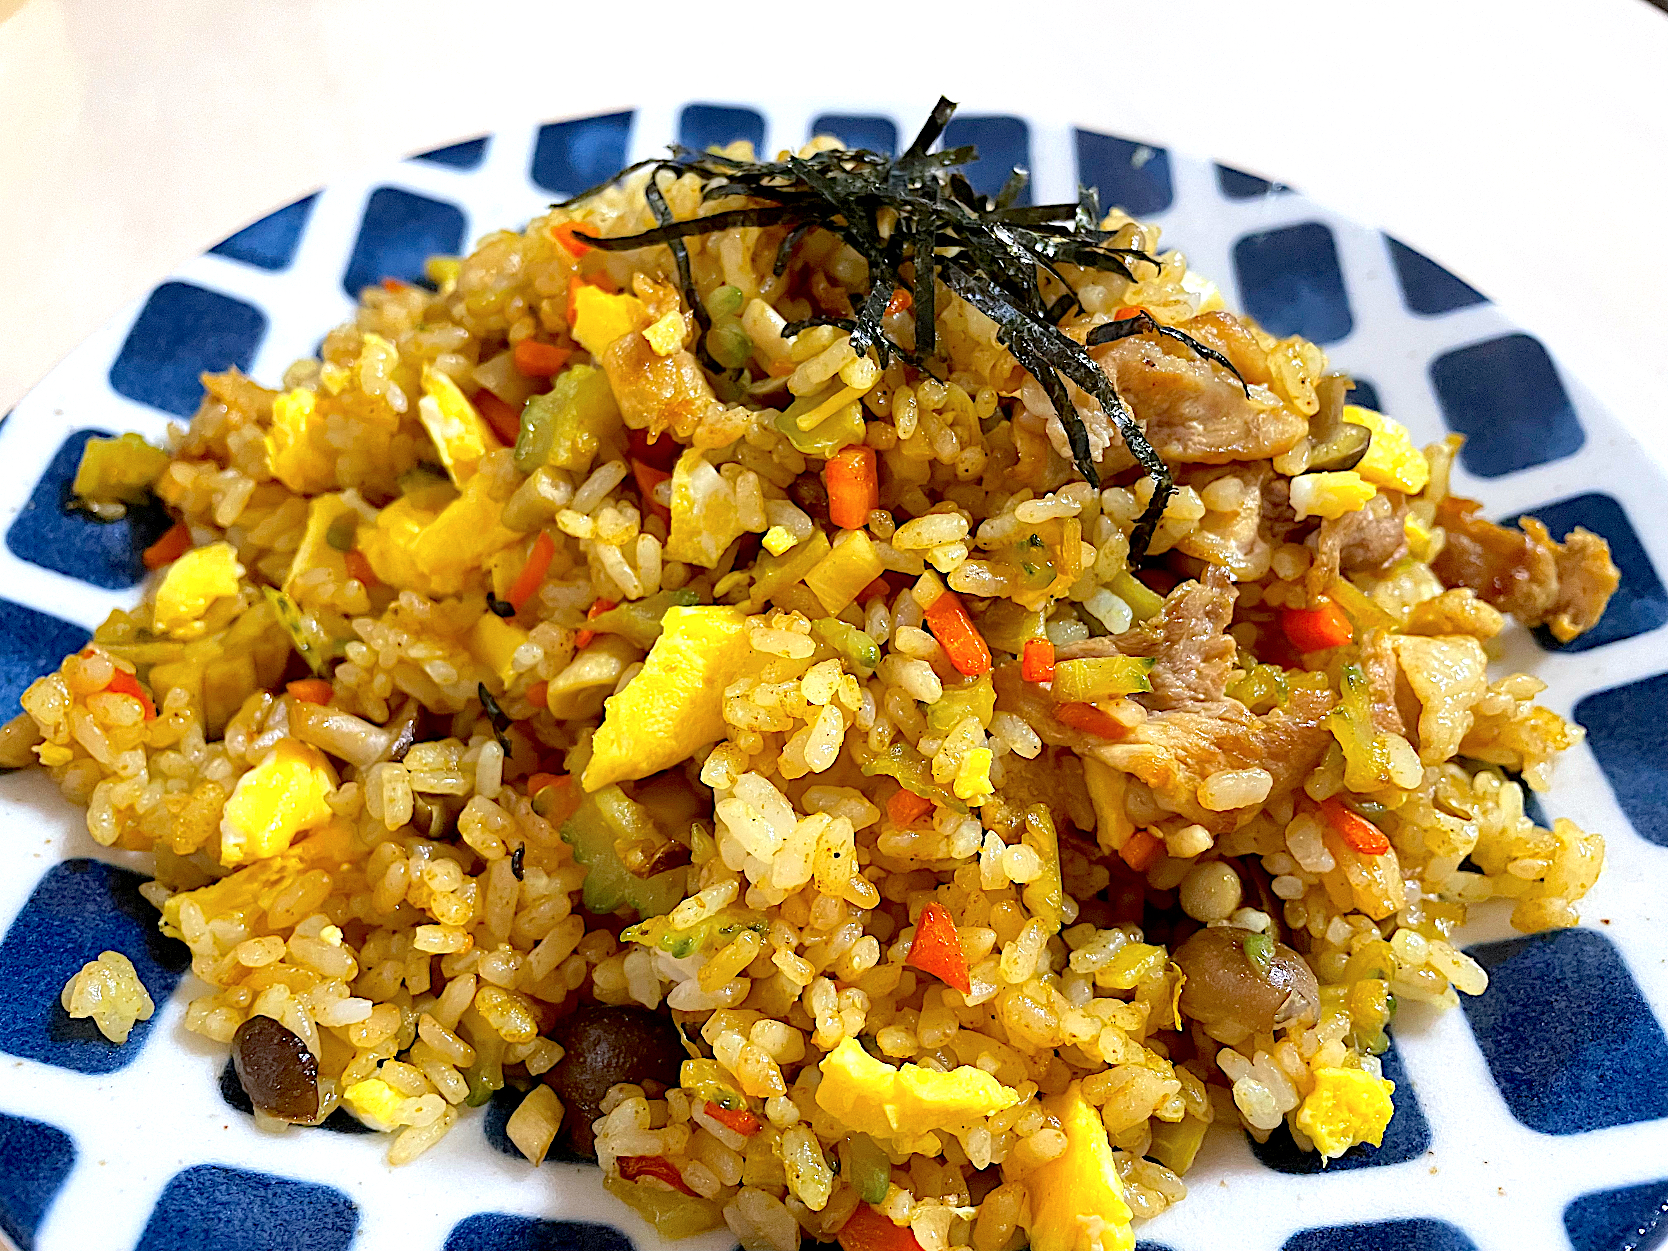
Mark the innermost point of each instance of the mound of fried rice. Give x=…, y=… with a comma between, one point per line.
x=369, y=765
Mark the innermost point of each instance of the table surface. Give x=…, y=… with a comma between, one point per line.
x=1523, y=143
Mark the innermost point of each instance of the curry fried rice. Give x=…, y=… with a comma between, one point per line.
x=886, y=713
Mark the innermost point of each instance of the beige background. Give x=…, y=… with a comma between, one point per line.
x=1522, y=142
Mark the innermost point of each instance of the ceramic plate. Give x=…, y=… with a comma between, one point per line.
x=1536, y=1117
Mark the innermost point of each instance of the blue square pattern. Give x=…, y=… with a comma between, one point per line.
x=1426, y=286
x=466, y=155
x=1416, y=1235
x=1128, y=175
x=399, y=232
x=1292, y=283
x=1628, y=734
x=1363, y=393
x=1568, y=1038
x=271, y=242
x=571, y=156
x=78, y=909
x=1640, y=603
x=215, y=1208
x=703, y=126
x=1004, y=144
x=493, y=1231
x=184, y=331
x=1236, y=184
x=49, y=532
x=31, y=643
x=878, y=134
x=1505, y=397
x=35, y=1160
x=1407, y=1136
x=1632, y=1218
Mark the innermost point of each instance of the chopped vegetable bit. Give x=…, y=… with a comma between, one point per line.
x=937, y=948
x=119, y=470
x=534, y=359
x=850, y=566
x=174, y=543
x=532, y=573
x=1355, y=829
x=1101, y=677
x=853, y=487
x=661, y=1169
x=1316, y=629
x=905, y=807
x=1037, y=662
x=740, y=1120
x=866, y=1229
x=956, y=633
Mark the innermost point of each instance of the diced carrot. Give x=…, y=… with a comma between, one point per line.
x=583, y=639
x=937, y=948
x=853, y=483
x=537, y=694
x=534, y=359
x=634, y=1166
x=1124, y=314
x=532, y=573
x=738, y=1119
x=538, y=781
x=1091, y=720
x=661, y=453
x=781, y=368
x=958, y=636
x=311, y=690
x=124, y=683
x=648, y=478
x=394, y=285
x=1141, y=850
x=360, y=568
x=1316, y=629
x=174, y=543
x=1354, y=829
x=901, y=302
x=572, y=236
x=574, y=284
x=905, y=807
x=866, y=1229
x=877, y=587
x=505, y=419
x=1036, y=663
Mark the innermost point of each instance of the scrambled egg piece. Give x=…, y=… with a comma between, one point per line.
x=252, y=890
x=295, y=444
x=461, y=435
x=903, y=1106
x=375, y=1102
x=599, y=318
x=315, y=552
x=973, y=778
x=1330, y=495
x=777, y=540
x=193, y=582
x=1392, y=460
x=1077, y=1199
x=1346, y=1106
x=675, y=704
x=666, y=335
x=276, y=800
x=493, y=642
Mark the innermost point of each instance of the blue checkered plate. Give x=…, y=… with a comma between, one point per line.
x=1537, y=1117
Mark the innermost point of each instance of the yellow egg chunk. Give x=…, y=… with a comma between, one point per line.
x=675, y=704
x=315, y=552
x=973, y=778
x=1392, y=461
x=1077, y=1199
x=461, y=435
x=192, y=583
x=1346, y=1106
x=276, y=800
x=375, y=1102
x=666, y=335
x=599, y=318
x=295, y=445
x=903, y=1106
x=493, y=642
x=1330, y=495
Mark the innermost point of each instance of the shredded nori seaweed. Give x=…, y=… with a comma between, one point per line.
x=499, y=607
x=517, y=858
x=1001, y=257
x=499, y=718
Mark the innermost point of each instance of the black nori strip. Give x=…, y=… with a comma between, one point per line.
x=1143, y=323
x=499, y=718
x=1002, y=258
x=517, y=857
x=499, y=607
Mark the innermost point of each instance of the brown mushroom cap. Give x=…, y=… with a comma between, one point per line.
x=605, y=1046
x=1232, y=998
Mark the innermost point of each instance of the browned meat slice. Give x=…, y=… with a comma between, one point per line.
x=1524, y=571
x=1172, y=752
x=1378, y=661
x=1366, y=540
x=1189, y=644
x=1194, y=411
